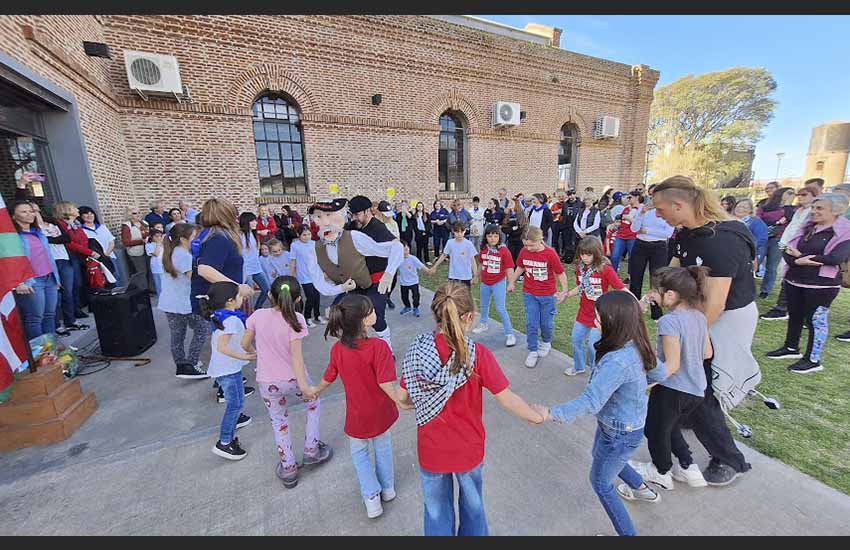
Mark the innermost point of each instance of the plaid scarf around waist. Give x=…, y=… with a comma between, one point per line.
x=429, y=381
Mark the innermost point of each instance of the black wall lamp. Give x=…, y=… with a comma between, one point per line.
x=376, y=99
x=96, y=49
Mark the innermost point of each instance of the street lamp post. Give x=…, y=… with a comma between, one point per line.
x=779, y=157
x=646, y=164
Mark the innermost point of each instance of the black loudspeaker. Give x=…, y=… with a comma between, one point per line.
x=124, y=322
x=96, y=49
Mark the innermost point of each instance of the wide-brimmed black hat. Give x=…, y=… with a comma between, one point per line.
x=359, y=203
x=334, y=205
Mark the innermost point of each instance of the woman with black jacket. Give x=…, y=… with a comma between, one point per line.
x=514, y=223
x=404, y=219
x=539, y=215
x=421, y=223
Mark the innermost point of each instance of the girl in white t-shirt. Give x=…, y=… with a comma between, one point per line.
x=154, y=248
x=278, y=332
x=174, y=301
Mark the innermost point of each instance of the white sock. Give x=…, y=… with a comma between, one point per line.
x=385, y=336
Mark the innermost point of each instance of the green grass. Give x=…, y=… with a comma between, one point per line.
x=811, y=431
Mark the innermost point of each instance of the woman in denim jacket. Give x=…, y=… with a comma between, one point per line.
x=38, y=296
x=616, y=395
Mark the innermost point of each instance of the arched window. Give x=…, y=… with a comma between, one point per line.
x=279, y=146
x=451, y=159
x=567, y=153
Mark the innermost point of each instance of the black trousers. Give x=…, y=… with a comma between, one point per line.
x=663, y=429
x=652, y=254
x=379, y=302
x=514, y=248
x=557, y=232
x=422, y=247
x=311, y=307
x=709, y=425
x=466, y=282
x=782, y=299
x=405, y=295
x=802, y=304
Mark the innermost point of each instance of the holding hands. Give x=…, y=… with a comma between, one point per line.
x=543, y=411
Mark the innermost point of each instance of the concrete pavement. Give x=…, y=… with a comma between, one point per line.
x=142, y=465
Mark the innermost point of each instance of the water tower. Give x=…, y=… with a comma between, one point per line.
x=829, y=149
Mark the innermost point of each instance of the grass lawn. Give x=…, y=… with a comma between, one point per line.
x=811, y=431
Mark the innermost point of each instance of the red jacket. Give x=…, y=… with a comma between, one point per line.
x=79, y=241
x=270, y=225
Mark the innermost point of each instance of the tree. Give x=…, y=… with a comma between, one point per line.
x=701, y=124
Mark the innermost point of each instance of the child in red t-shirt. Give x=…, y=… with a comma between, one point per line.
x=445, y=373
x=496, y=264
x=367, y=368
x=541, y=265
x=594, y=277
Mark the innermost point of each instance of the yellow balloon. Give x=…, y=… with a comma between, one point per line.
x=391, y=192
x=413, y=203
x=333, y=188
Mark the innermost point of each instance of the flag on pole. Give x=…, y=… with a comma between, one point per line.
x=15, y=268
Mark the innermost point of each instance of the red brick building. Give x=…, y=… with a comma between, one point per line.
x=276, y=109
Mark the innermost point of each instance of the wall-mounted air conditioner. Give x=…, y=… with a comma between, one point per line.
x=153, y=72
x=606, y=127
x=505, y=114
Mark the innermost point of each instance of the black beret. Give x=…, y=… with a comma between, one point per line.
x=334, y=205
x=359, y=203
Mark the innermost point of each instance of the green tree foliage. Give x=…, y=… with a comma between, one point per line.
x=701, y=123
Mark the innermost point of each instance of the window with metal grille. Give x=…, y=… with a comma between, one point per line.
x=451, y=158
x=279, y=146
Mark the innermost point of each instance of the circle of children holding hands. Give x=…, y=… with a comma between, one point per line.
x=636, y=388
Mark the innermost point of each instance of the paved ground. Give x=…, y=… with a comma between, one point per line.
x=142, y=465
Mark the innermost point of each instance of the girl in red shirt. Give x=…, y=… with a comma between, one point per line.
x=367, y=369
x=594, y=277
x=443, y=376
x=496, y=265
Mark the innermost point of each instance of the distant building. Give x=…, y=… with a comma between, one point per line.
x=829, y=149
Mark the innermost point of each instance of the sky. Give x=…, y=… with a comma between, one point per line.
x=809, y=57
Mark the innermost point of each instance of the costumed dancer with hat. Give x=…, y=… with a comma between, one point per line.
x=362, y=261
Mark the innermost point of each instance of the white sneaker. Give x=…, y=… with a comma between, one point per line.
x=323, y=320
x=646, y=494
x=373, y=506
x=510, y=340
x=388, y=494
x=531, y=360
x=310, y=323
x=690, y=475
x=544, y=348
x=649, y=473
x=480, y=328
x=570, y=371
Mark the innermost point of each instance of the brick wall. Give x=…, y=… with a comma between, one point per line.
x=331, y=66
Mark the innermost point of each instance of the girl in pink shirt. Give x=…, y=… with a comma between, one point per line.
x=280, y=371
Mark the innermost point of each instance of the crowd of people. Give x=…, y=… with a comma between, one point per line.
x=215, y=269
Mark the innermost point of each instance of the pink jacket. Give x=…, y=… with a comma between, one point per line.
x=842, y=234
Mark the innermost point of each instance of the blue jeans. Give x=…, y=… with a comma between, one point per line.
x=374, y=476
x=611, y=452
x=157, y=282
x=497, y=292
x=234, y=395
x=621, y=246
x=771, y=262
x=584, y=353
x=264, y=284
x=68, y=297
x=438, y=494
x=38, y=310
x=116, y=272
x=539, y=316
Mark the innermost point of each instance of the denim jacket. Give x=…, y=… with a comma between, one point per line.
x=616, y=392
x=26, y=244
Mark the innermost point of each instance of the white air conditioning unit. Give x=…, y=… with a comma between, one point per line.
x=153, y=72
x=505, y=114
x=606, y=127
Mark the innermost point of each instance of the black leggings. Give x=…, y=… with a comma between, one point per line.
x=663, y=430
x=405, y=295
x=311, y=309
x=422, y=247
x=809, y=306
x=652, y=254
x=514, y=248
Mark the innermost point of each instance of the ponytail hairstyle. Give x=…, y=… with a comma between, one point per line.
x=245, y=219
x=706, y=207
x=286, y=296
x=346, y=319
x=171, y=241
x=452, y=301
x=688, y=282
x=622, y=322
x=217, y=297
